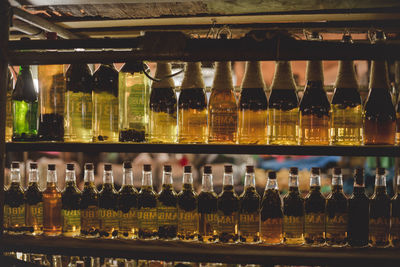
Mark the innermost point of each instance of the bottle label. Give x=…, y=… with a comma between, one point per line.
x=293, y=225
x=187, y=221
x=79, y=109
x=71, y=220
x=147, y=219
x=128, y=220
x=223, y=123
x=379, y=226
x=90, y=218
x=337, y=224
x=249, y=223
x=136, y=99
x=15, y=215
x=314, y=223
x=108, y=218
x=167, y=215
x=271, y=226
x=34, y=215
x=228, y=223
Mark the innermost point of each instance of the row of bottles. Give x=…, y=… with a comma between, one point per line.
x=313, y=220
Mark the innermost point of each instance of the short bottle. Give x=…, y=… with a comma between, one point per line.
x=395, y=217
x=71, y=204
x=314, y=204
x=271, y=213
x=379, y=212
x=249, y=213
x=52, y=204
x=34, y=202
x=208, y=208
x=9, y=116
x=293, y=212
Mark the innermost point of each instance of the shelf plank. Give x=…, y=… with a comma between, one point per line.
x=198, y=252
x=390, y=151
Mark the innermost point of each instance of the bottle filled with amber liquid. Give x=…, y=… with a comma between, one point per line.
x=167, y=209
x=314, y=204
x=336, y=218
x=9, y=116
x=52, y=204
x=358, y=213
x=249, y=212
x=34, y=202
x=90, y=223
x=108, y=205
x=271, y=213
x=222, y=107
x=105, y=104
x=395, y=217
x=162, y=121
x=128, y=204
x=147, y=206
x=283, y=109
x=379, y=212
x=253, y=104
x=293, y=212
x=71, y=204
x=192, y=106
x=208, y=208
x=78, y=104
x=51, y=99
x=187, y=208
x=14, y=203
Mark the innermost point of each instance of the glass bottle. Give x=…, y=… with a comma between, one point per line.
x=228, y=209
x=134, y=95
x=34, y=202
x=71, y=204
x=192, y=106
x=346, y=108
x=314, y=204
x=108, y=205
x=128, y=204
x=90, y=223
x=208, y=208
x=395, y=217
x=147, y=206
x=52, y=91
x=222, y=107
x=271, y=212
x=379, y=212
x=105, y=104
x=249, y=213
x=14, y=203
x=9, y=116
x=52, y=204
x=293, y=211
x=358, y=212
x=283, y=109
x=24, y=107
x=336, y=218
x=162, y=121
x=253, y=104
x=167, y=210
x=187, y=208
x=78, y=104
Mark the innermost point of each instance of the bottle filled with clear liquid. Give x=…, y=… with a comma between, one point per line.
x=52, y=204
x=34, y=202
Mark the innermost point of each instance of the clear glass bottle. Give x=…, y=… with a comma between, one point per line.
x=395, y=217
x=134, y=95
x=52, y=204
x=34, y=202
x=9, y=116
x=253, y=104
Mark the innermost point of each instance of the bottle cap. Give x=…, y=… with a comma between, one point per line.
x=167, y=168
x=337, y=171
x=380, y=171
x=187, y=169
x=51, y=35
x=359, y=176
x=33, y=165
x=147, y=167
x=89, y=166
x=272, y=175
x=207, y=169
x=127, y=165
x=249, y=168
x=228, y=168
x=70, y=166
x=15, y=164
x=294, y=171
x=315, y=171
x=107, y=167
x=51, y=167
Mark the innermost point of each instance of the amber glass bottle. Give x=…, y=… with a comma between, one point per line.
x=253, y=104
x=34, y=202
x=283, y=109
x=395, y=217
x=90, y=223
x=222, y=107
x=52, y=204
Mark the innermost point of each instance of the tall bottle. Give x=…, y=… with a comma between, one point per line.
x=167, y=209
x=346, y=108
x=379, y=212
x=271, y=212
x=90, y=223
x=253, y=104
x=9, y=116
x=228, y=209
x=395, y=217
x=208, y=208
x=283, y=109
x=336, y=212
x=14, y=203
x=222, y=107
x=52, y=91
x=162, y=119
x=134, y=95
x=187, y=208
x=192, y=106
x=52, y=204
x=108, y=205
x=105, y=104
x=34, y=202
x=249, y=213
x=293, y=211
x=78, y=104
x=71, y=204
x=147, y=206
x=128, y=204
x=24, y=107
x=358, y=212
x=314, y=204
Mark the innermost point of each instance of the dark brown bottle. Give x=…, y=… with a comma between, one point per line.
x=34, y=202
x=90, y=223
x=395, y=217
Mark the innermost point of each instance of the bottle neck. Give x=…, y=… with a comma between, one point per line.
x=283, y=77
x=223, y=76
x=127, y=176
x=15, y=176
x=249, y=180
x=337, y=180
x=358, y=189
x=187, y=178
x=108, y=177
x=167, y=178
x=147, y=179
x=51, y=176
x=193, y=77
x=207, y=183
x=271, y=184
x=70, y=176
x=33, y=176
x=293, y=181
x=88, y=176
x=163, y=70
x=24, y=68
x=379, y=75
x=314, y=71
x=227, y=179
x=346, y=77
x=380, y=180
x=253, y=76
x=315, y=180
